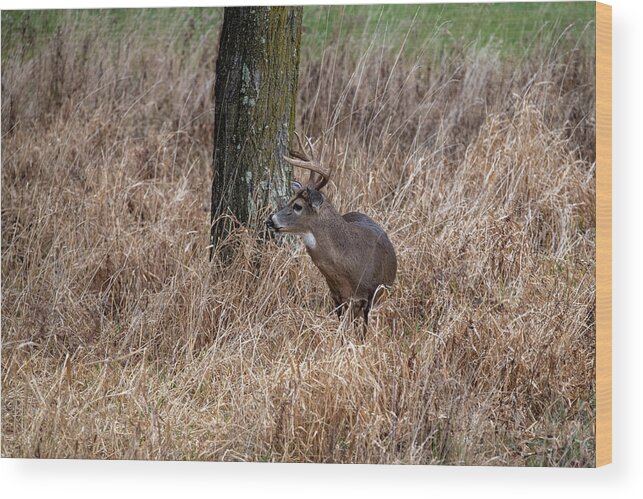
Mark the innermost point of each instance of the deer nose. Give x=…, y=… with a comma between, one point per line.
x=270, y=223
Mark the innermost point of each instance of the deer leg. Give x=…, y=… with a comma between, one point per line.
x=366, y=308
x=356, y=308
x=365, y=323
x=340, y=307
x=360, y=307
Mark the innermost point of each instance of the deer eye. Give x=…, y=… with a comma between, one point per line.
x=297, y=207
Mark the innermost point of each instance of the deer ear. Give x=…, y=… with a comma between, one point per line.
x=315, y=198
x=296, y=186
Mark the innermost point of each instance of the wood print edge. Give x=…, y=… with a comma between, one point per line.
x=603, y=234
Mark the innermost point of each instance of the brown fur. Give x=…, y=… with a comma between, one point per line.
x=352, y=252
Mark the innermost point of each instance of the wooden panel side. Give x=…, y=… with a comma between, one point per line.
x=603, y=234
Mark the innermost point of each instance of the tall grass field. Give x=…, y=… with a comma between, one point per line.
x=466, y=131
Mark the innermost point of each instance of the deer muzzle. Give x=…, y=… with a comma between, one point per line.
x=271, y=224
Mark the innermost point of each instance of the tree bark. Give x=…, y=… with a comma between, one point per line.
x=255, y=95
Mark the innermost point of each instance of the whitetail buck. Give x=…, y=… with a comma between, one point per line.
x=352, y=252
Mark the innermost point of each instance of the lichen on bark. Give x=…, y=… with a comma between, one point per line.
x=255, y=95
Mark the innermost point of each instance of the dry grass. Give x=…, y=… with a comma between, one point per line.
x=120, y=340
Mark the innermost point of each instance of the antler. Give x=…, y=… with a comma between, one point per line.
x=319, y=175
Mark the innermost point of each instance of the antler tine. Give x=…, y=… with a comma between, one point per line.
x=302, y=146
x=313, y=177
x=307, y=157
x=331, y=162
x=311, y=149
x=307, y=161
x=327, y=171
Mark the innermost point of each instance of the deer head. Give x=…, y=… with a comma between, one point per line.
x=303, y=208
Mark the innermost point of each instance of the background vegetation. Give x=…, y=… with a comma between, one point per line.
x=467, y=132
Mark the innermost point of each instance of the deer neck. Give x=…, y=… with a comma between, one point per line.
x=326, y=237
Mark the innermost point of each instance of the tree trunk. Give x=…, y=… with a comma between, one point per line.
x=255, y=92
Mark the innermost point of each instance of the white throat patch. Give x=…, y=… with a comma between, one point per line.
x=309, y=240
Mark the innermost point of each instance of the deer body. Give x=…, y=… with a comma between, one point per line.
x=352, y=252
x=355, y=256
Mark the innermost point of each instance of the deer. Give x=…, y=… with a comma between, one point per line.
x=352, y=252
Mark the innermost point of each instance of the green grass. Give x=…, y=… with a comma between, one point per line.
x=428, y=27
x=512, y=24
x=27, y=30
